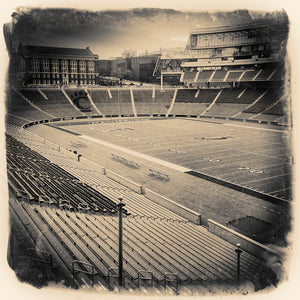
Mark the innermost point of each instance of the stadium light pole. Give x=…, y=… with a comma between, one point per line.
x=238, y=266
x=121, y=205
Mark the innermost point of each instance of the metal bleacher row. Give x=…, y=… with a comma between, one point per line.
x=154, y=245
x=45, y=181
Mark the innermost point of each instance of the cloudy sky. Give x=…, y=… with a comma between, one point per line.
x=109, y=32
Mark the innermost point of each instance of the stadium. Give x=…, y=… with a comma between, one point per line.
x=175, y=176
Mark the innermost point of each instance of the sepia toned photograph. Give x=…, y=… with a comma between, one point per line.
x=149, y=150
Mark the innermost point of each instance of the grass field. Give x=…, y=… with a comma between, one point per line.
x=255, y=156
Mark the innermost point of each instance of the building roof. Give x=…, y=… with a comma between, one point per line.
x=57, y=52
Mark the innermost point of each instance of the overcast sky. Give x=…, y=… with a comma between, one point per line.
x=109, y=32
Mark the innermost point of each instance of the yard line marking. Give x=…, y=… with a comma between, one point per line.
x=136, y=154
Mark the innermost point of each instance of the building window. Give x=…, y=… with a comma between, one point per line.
x=64, y=66
x=82, y=66
x=55, y=66
x=73, y=66
x=91, y=67
x=45, y=65
x=35, y=63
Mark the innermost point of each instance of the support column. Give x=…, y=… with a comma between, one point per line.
x=121, y=205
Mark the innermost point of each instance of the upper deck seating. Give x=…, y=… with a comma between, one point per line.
x=249, y=75
x=204, y=75
x=189, y=77
x=219, y=75
x=264, y=74
x=234, y=75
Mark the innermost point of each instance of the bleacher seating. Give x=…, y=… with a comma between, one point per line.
x=163, y=100
x=219, y=75
x=277, y=109
x=102, y=100
x=249, y=95
x=154, y=245
x=232, y=102
x=189, y=77
x=42, y=179
x=248, y=75
x=56, y=103
x=86, y=107
x=143, y=101
x=229, y=96
x=123, y=99
x=206, y=95
x=186, y=95
x=186, y=102
x=16, y=105
x=204, y=75
x=278, y=75
x=270, y=97
x=264, y=74
x=146, y=104
x=233, y=75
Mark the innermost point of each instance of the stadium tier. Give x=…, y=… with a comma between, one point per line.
x=44, y=103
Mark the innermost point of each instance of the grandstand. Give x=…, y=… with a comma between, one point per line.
x=187, y=162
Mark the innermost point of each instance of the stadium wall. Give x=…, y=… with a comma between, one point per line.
x=126, y=182
x=173, y=206
x=235, y=237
